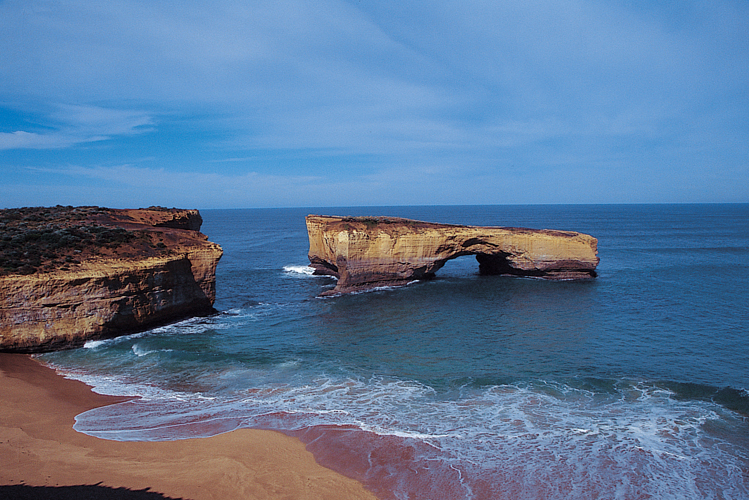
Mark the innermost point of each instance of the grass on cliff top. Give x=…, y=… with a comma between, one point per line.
x=371, y=222
x=43, y=239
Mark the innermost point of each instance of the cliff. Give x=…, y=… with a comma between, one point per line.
x=368, y=252
x=68, y=275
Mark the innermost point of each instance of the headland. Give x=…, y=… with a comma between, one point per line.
x=72, y=274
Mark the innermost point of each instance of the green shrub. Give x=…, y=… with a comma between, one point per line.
x=31, y=236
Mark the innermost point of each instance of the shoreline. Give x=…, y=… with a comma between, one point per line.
x=41, y=456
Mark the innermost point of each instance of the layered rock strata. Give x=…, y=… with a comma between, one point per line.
x=369, y=252
x=152, y=267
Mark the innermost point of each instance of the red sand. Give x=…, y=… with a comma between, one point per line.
x=38, y=447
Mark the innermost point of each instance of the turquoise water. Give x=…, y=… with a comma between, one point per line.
x=632, y=385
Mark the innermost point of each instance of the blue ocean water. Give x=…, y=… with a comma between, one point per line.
x=631, y=385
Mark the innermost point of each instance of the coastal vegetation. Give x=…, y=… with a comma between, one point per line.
x=43, y=239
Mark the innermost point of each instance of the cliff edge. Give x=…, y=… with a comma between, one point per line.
x=72, y=274
x=368, y=252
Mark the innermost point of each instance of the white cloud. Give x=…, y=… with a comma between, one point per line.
x=279, y=67
x=31, y=140
x=128, y=185
x=74, y=125
x=470, y=86
x=105, y=121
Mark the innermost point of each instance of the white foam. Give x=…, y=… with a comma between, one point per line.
x=405, y=434
x=107, y=385
x=93, y=344
x=140, y=351
x=645, y=432
x=383, y=288
x=299, y=270
x=187, y=326
x=289, y=364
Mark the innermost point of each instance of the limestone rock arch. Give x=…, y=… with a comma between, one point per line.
x=369, y=252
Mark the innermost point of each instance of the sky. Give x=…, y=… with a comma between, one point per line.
x=324, y=103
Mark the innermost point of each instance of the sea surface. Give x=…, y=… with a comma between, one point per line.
x=633, y=385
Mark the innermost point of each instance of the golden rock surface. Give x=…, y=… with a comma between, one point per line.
x=369, y=252
x=113, y=290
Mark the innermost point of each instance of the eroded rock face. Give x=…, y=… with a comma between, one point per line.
x=369, y=252
x=165, y=270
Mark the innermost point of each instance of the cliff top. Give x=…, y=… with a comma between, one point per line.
x=46, y=239
x=389, y=224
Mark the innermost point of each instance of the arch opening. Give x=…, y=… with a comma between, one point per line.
x=457, y=266
x=493, y=264
x=488, y=264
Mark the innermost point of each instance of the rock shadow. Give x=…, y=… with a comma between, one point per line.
x=78, y=492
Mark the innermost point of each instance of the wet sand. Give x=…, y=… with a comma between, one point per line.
x=41, y=456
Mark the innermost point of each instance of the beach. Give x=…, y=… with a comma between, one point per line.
x=629, y=385
x=40, y=449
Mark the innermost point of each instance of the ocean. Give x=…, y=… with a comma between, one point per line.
x=632, y=385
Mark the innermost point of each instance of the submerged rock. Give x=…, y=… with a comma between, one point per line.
x=72, y=274
x=369, y=252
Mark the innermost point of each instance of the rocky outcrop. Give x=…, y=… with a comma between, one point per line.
x=369, y=252
x=159, y=268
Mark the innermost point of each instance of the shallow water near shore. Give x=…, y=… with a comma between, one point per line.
x=631, y=385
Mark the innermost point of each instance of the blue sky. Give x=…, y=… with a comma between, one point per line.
x=230, y=104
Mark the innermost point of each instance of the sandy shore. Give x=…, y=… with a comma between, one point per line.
x=41, y=456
